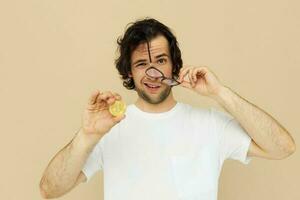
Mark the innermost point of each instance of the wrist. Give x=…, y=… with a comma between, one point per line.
x=84, y=140
x=222, y=95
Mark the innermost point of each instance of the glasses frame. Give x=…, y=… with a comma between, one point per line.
x=162, y=77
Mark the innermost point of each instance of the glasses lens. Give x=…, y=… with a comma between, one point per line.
x=170, y=82
x=154, y=73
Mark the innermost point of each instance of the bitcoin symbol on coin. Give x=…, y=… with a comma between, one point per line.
x=118, y=108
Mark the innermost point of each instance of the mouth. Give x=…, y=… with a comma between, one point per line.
x=152, y=87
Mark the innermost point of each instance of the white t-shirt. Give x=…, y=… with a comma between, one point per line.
x=174, y=155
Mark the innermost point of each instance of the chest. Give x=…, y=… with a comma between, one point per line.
x=183, y=161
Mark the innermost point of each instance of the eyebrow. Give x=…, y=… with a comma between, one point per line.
x=144, y=60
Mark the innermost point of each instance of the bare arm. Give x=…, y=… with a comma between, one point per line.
x=64, y=171
x=272, y=138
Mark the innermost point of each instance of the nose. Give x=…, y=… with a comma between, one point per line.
x=151, y=78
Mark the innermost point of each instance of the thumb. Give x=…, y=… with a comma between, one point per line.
x=186, y=84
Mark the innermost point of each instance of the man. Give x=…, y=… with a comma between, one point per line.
x=163, y=149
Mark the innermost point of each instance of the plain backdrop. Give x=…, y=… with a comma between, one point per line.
x=53, y=54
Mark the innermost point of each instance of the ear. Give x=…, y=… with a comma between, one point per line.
x=130, y=74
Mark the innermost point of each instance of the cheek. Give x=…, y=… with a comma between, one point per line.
x=168, y=72
x=138, y=75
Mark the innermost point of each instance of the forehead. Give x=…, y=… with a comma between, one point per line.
x=157, y=45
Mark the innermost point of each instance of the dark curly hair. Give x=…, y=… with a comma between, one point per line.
x=139, y=32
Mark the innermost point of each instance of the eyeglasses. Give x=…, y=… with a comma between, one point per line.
x=156, y=73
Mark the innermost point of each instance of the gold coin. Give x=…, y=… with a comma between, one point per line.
x=118, y=108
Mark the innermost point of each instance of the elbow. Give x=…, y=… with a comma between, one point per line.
x=288, y=151
x=45, y=192
x=292, y=148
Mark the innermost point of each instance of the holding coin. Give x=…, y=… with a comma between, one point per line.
x=118, y=108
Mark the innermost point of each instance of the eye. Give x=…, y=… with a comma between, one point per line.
x=162, y=61
x=141, y=64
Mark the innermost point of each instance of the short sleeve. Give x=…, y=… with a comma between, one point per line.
x=94, y=161
x=234, y=142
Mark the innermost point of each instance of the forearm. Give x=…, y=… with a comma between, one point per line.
x=267, y=133
x=62, y=172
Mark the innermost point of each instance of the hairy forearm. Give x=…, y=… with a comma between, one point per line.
x=62, y=172
x=272, y=137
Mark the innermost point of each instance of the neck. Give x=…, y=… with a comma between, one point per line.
x=164, y=106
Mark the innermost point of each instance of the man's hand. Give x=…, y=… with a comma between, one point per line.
x=64, y=171
x=201, y=80
x=97, y=120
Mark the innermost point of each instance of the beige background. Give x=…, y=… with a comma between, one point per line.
x=54, y=53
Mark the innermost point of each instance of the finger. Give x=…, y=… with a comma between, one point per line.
x=183, y=73
x=195, y=73
x=117, y=96
x=191, y=78
x=200, y=72
x=186, y=84
x=111, y=100
x=204, y=70
x=180, y=73
x=104, y=96
x=93, y=97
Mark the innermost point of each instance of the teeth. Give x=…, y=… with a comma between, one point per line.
x=152, y=86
